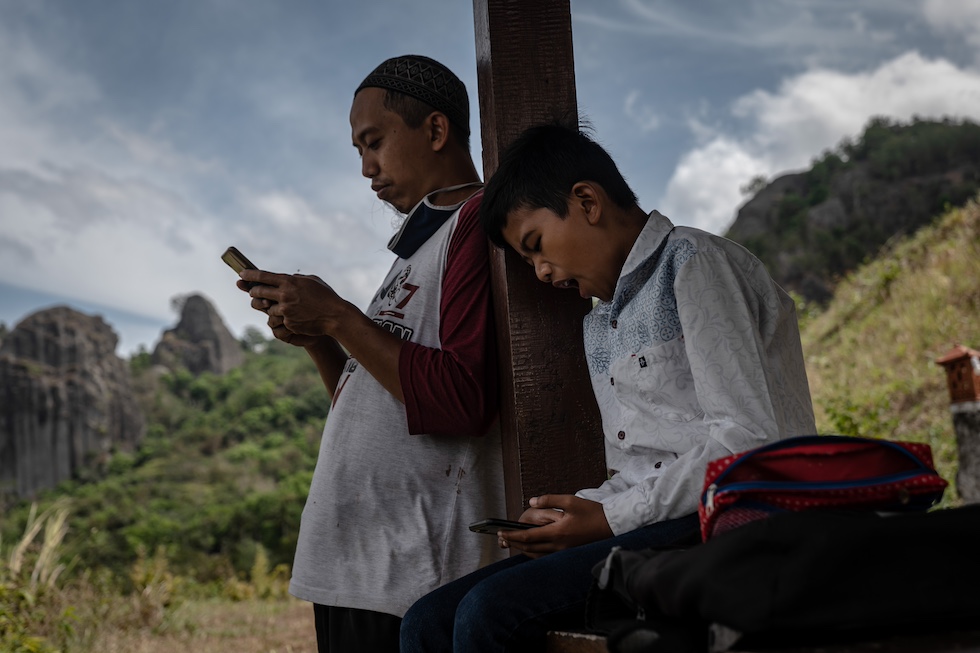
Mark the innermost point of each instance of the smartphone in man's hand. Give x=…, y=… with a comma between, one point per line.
x=238, y=262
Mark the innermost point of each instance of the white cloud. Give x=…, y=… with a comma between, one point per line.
x=154, y=154
x=809, y=114
x=32, y=89
x=957, y=17
x=118, y=216
x=705, y=184
x=116, y=242
x=640, y=113
x=341, y=247
x=816, y=27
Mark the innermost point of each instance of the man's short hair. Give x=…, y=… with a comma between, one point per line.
x=538, y=170
x=415, y=86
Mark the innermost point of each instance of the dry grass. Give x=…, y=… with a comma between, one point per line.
x=224, y=627
x=87, y=614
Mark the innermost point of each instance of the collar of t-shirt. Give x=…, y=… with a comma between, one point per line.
x=423, y=221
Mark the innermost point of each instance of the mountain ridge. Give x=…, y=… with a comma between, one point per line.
x=811, y=228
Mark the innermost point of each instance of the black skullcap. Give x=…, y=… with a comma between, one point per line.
x=426, y=80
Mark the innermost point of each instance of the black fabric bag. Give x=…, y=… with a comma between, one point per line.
x=800, y=579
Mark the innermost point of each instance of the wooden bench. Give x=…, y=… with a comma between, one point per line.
x=561, y=642
x=964, y=641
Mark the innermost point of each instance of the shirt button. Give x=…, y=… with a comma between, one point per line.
x=613, y=324
x=612, y=381
x=657, y=466
x=621, y=435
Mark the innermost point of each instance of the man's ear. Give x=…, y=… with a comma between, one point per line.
x=439, y=127
x=586, y=199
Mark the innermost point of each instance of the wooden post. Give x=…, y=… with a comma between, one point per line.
x=552, y=437
x=962, y=366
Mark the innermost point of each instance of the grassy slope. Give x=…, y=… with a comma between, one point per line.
x=871, y=353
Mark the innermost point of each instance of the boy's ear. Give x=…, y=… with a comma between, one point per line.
x=586, y=200
x=438, y=127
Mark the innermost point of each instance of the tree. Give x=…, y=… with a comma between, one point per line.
x=253, y=340
x=177, y=303
x=755, y=184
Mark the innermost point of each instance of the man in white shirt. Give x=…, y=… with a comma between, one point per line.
x=409, y=455
x=694, y=354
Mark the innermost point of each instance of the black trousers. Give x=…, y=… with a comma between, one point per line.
x=349, y=630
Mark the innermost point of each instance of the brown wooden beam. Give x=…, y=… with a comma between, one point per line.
x=552, y=438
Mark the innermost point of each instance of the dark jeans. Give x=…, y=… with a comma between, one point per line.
x=512, y=604
x=349, y=630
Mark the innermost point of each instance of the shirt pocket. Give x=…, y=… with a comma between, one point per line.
x=662, y=380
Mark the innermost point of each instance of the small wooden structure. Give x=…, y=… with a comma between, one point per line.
x=962, y=366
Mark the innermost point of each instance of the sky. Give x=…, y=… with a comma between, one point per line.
x=140, y=138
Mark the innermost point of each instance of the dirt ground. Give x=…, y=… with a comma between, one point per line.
x=226, y=627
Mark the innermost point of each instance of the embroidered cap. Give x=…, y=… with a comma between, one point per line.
x=424, y=79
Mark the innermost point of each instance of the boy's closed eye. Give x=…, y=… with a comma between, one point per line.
x=527, y=246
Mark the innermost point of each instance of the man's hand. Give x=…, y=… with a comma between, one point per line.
x=306, y=305
x=314, y=316
x=280, y=331
x=566, y=521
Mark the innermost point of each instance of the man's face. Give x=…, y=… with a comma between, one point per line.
x=394, y=157
x=568, y=252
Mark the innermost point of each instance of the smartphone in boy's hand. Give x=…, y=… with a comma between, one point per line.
x=492, y=526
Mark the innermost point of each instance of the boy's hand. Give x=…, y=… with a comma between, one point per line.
x=566, y=521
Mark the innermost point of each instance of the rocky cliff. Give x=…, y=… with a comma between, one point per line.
x=813, y=227
x=200, y=342
x=66, y=400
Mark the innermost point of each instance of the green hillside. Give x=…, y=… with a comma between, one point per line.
x=224, y=468
x=871, y=352
x=812, y=227
x=206, y=510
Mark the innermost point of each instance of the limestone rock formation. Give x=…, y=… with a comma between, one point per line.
x=200, y=342
x=66, y=400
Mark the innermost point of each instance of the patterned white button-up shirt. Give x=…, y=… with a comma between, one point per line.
x=696, y=357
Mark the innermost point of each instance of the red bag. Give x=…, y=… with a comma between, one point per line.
x=818, y=472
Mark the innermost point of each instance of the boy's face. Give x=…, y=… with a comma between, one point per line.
x=569, y=252
x=393, y=156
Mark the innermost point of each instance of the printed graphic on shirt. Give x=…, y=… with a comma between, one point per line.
x=399, y=330
x=349, y=369
x=389, y=290
x=396, y=295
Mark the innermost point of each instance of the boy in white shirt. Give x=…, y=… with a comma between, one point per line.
x=694, y=354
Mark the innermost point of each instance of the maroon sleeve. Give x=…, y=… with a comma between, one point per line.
x=453, y=390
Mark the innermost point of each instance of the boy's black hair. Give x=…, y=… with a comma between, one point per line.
x=538, y=171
